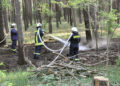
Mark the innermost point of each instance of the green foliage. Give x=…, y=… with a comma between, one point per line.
x=19, y=78
x=1, y=64
x=109, y=19
x=2, y=75
x=74, y=3
x=118, y=61
x=48, y=78
x=6, y=4
x=44, y=9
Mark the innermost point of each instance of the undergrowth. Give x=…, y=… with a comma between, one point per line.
x=25, y=78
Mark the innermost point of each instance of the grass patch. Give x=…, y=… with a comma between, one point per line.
x=24, y=78
x=18, y=78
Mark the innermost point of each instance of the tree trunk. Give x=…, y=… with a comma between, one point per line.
x=74, y=16
x=13, y=17
x=65, y=13
x=50, y=18
x=34, y=10
x=1, y=26
x=21, y=60
x=25, y=13
x=70, y=16
x=93, y=14
x=80, y=15
x=57, y=15
x=100, y=81
x=87, y=24
x=30, y=11
x=5, y=15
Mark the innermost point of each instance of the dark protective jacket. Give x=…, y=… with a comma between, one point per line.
x=75, y=38
x=14, y=34
x=37, y=39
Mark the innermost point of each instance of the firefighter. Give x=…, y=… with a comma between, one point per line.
x=14, y=37
x=74, y=44
x=38, y=43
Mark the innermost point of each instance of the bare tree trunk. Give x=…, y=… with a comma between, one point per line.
x=101, y=81
x=57, y=15
x=70, y=16
x=5, y=15
x=74, y=16
x=80, y=15
x=21, y=60
x=65, y=13
x=93, y=14
x=34, y=10
x=30, y=11
x=87, y=24
x=1, y=26
x=25, y=13
x=50, y=18
x=13, y=17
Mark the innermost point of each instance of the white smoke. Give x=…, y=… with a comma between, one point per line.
x=83, y=46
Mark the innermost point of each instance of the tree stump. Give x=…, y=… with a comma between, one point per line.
x=100, y=81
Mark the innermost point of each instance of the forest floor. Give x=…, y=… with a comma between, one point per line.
x=88, y=57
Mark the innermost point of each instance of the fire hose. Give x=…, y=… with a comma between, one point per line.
x=47, y=46
x=54, y=50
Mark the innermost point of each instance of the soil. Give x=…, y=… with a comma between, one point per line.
x=92, y=56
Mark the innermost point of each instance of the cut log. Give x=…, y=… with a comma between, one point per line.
x=100, y=81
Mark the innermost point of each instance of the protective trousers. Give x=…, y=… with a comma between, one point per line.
x=14, y=42
x=74, y=48
x=37, y=52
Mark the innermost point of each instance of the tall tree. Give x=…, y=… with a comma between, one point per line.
x=13, y=17
x=87, y=24
x=70, y=20
x=74, y=16
x=79, y=12
x=27, y=12
x=5, y=15
x=50, y=18
x=57, y=15
x=1, y=26
x=21, y=60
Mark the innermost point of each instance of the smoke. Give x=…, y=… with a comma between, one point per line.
x=84, y=45
x=101, y=43
x=83, y=48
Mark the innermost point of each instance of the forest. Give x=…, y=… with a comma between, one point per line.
x=59, y=42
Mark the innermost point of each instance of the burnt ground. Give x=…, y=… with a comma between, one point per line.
x=89, y=57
